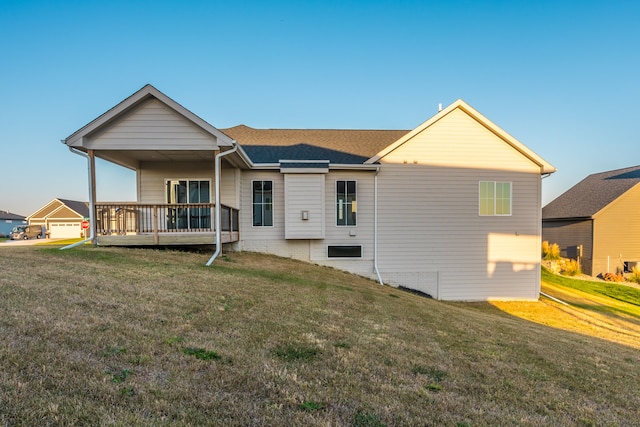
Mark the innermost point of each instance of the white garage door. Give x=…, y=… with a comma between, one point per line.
x=65, y=230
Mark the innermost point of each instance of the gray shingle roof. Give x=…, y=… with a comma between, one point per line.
x=592, y=194
x=82, y=208
x=271, y=154
x=336, y=145
x=8, y=215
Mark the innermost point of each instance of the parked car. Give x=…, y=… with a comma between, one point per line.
x=24, y=232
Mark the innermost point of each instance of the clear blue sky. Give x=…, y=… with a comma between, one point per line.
x=563, y=77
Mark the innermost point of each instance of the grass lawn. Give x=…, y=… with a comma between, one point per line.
x=59, y=242
x=115, y=336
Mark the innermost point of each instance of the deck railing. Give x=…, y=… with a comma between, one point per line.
x=135, y=218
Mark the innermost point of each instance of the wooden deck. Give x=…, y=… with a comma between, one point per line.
x=134, y=224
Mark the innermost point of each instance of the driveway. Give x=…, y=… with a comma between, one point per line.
x=29, y=242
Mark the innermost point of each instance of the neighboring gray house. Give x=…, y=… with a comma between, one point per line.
x=451, y=208
x=601, y=216
x=9, y=220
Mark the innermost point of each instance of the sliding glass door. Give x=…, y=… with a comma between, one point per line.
x=185, y=191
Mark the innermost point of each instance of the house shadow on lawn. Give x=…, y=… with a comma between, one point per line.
x=574, y=313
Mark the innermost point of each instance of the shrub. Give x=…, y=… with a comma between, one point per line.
x=572, y=268
x=545, y=248
x=550, y=251
x=635, y=275
x=613, y=277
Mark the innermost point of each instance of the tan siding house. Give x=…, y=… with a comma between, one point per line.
x=62, y=218
x=600, y=216
x=451, y=208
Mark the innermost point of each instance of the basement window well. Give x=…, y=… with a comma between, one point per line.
x=354, y=251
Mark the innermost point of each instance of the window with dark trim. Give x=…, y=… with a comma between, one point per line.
x=346, y=205
x=343, y=251
x=188, y=191
x=262, y=203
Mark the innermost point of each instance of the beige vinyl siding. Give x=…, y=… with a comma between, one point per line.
x=230, y=187
x=430, y=230
x=272, y=239
x=617, y=233
x=361, y=234
x=251, y=235
x=151, y=126
x=458, y=140
x=304, y=193
x=153, y=175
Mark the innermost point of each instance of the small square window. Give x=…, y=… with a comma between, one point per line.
x=494, y=198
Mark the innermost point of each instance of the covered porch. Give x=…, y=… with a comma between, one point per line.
x=136, y=224
x=185, y=193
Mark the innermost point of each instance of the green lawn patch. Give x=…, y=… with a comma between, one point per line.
x=628, y=295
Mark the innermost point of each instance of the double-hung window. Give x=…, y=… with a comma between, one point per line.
x=346, y=206
x=262, y=203
x=495, y=198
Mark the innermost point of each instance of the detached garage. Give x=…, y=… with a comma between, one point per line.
x=62, y=218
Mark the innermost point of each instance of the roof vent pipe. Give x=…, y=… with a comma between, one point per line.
x=439, y=107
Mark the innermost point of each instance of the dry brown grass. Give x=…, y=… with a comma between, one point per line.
x=111, y=336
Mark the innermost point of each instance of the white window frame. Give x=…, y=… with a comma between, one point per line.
x=272, y=203
x=494, y=198
x=354, y=202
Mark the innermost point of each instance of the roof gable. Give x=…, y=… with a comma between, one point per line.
x=46, y=210
x=134, y=101
x=73, y=207
x=460, y=105
x=592, y=194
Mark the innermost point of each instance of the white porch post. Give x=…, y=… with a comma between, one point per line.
x=92, y=196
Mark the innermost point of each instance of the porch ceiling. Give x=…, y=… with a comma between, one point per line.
x=132, y=159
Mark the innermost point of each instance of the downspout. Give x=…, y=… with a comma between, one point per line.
x=375, y=226
x=91, y=201
x=218, y=214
